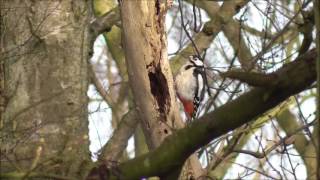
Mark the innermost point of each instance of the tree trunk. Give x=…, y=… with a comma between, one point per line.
x=149, y=71
x=44, y=48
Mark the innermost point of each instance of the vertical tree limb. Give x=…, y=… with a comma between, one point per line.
x=45, y=50
x=316, y=7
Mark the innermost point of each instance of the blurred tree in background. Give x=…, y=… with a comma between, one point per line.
x=258, y=123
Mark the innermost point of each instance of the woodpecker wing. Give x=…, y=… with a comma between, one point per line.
x=200, y=89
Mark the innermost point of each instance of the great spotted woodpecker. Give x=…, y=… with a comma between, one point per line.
x=190, y=85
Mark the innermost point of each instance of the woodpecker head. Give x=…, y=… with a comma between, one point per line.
x=190, y=85
x=193, y=63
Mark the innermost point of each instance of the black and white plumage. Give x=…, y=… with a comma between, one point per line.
x=190, y=85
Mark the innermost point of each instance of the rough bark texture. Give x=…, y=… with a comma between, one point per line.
x=317, y=22
x=44, y=47
x=149, y=72
x=148, y=67
x=118, y=142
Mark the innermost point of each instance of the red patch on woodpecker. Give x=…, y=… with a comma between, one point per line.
x=188, y=106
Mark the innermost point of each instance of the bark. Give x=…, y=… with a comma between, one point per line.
x=118, y=142
x=112, y=39
x=148, y=68
x=44, y=48
x=233, y=31
x=310, y=155
x=105, y=22
x=149, y=72
x=140, y=145
x=317, y=22
x=303, y=146
x=300, y=141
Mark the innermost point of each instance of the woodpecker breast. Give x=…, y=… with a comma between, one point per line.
x=185, y=83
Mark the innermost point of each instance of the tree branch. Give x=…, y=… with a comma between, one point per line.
x=118, y=142
x=287, y=140
x=251, y=78
x=104, y=23
x=316, y=6
x=209, y=31
x=293, y=78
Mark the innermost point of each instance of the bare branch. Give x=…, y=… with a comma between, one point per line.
x=251, y=78
x=104, y=23
x=118, y=142
x=177, y=147
x=287, y=140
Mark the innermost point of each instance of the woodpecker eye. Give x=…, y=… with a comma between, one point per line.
x=196, y=61
x=188, y=67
